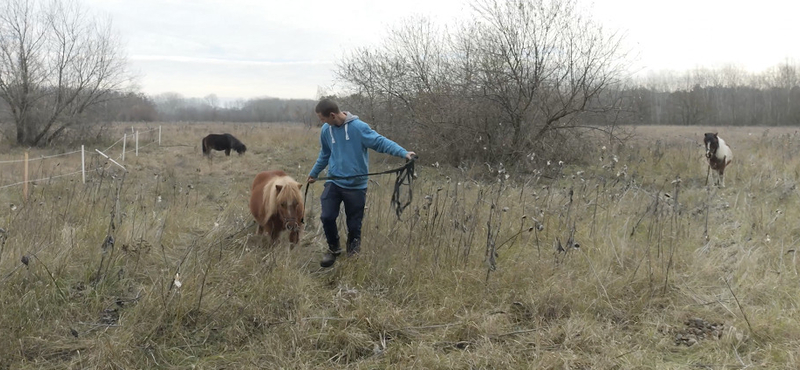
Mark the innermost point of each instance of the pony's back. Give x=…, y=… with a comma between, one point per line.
x=724, y=151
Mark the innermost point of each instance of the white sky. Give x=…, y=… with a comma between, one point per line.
x=288, y=48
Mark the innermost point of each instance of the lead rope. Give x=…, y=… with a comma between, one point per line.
x=405, y=176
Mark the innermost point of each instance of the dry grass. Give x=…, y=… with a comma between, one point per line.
x=668, y=274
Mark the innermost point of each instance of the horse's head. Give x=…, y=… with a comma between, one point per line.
x=241, y=148
x=711, y=140
x=289, y=204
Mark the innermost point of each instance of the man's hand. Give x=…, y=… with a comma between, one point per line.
x=311, y=180
x=410, y=155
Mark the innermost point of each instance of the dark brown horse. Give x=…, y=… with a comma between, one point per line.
x=277, y=204
x=226, y=142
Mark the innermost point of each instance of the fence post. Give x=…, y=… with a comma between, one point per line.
x=124, y=141
x=137, y=143
x=83, y=164
x=159, y=135
x=25, y=179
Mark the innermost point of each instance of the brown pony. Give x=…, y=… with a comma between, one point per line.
x=277, y=204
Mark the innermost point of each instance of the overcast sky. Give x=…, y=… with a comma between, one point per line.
x=288, y=48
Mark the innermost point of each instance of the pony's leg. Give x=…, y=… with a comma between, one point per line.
x=276, y=232
x=722, y=170
x=228, y=152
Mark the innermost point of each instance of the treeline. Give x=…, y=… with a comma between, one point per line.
x=725, y=96
x=173, y=107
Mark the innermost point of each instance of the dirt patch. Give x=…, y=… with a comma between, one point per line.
x=697, y=330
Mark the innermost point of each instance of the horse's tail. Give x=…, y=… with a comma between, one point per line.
x=206, y=150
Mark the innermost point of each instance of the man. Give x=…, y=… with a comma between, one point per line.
x=345, y=139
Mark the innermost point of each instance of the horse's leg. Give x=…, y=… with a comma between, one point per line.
x=228, y=152
x=722, y=170
x=294, y=237
x=269, y=229
x=276, y=232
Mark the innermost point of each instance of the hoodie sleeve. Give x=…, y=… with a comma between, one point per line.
x=324, y=155
x=378, y=143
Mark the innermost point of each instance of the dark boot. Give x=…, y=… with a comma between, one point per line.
x=353, y=246
x=330, y=256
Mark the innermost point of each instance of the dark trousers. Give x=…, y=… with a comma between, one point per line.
x=354, y=201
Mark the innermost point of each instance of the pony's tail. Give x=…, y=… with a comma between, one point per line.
x=205, y=148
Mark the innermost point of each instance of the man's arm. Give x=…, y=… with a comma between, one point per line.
x=380, y=144
x=322, y=158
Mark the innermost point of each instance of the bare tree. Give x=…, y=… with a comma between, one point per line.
x=213, y=105
x=493, y=89
x=57, y=61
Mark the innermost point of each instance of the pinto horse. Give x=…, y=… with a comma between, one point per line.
x=719, y=156
x=277, y=204
x=224, y=142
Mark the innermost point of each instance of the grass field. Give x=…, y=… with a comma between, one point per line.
x=627, y=262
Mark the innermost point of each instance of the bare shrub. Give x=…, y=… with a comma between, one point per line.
x=518, y=76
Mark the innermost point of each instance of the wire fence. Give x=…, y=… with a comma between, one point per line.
x=74, y=162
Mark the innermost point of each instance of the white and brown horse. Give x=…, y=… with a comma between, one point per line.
x=277, y=204
x=719, y=156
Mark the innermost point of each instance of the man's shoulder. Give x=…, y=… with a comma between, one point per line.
x=360, y=124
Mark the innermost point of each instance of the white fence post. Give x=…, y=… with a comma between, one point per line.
x=159, y=135
x=83, y=164
x=25, y=179
x=124, y=141
x=137, y=143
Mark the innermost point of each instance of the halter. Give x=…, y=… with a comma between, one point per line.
x=287, y=221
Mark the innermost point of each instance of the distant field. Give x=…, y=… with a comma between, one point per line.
x=629, y=261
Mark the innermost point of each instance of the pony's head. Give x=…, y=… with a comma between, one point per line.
x=711, y=140
x=289, y=203
x=239, y=147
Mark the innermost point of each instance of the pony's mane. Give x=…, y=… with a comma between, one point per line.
x=289, y=188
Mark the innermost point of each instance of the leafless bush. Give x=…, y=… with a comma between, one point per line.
x=498, y=89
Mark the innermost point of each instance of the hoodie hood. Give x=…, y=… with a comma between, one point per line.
x=349, y=117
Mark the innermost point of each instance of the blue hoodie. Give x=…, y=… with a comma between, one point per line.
x=344, y=151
